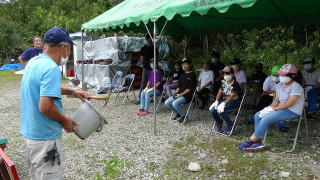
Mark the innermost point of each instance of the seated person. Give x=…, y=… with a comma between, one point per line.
x=148, y=92
x=239, y=74
x=269, y=87
x=186, y=87
x=311, y=82
x=257, y=82
x=288, y=104
x=228, y=98
x=172, y=84
x=3, y=142
x=217, y=67
x=205, y=83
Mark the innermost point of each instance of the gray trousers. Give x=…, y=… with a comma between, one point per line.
x=38, y=168
x=144, y=80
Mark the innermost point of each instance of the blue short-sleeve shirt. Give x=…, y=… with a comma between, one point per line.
x=30, y=53
x=42, y=77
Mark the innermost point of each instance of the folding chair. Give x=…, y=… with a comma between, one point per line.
x=126, y=89
x=237, y=116
x=7, y=168
x=303, y=115
x=116, y=81
x=189, y=107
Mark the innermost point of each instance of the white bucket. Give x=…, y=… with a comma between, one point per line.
x=90, y=120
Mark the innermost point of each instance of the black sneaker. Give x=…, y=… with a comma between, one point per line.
x=181, y=119
x=176, y=117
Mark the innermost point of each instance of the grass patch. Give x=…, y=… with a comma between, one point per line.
x=152, y=166
x=223, y=161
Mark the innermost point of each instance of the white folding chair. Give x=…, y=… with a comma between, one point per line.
x=237, y=116
x=303, y=115
x=126, y=89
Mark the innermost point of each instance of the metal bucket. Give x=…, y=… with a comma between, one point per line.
x=90, y=120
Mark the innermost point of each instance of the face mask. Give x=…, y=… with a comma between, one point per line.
x=275, y=79
x=64, y=61
x=185, y=68
x=307, y=66
x=151, y=65
x=235, y=67
x=214, y=60
x=284, y=79
x=227, y=78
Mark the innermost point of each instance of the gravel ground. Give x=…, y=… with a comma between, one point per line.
x=130, y=135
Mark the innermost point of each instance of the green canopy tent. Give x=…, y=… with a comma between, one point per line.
x=178, y=17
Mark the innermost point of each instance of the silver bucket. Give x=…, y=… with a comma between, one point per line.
x=90, y=120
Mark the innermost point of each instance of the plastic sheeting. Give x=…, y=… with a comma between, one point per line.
x=11, y=67
x=119, y=49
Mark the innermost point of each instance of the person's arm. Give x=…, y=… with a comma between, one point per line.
x=275, y=102
x=269, y=92
x=219, y=95
x=47, y=107
x=291, y=101
x=230, y=97
x=78, y=93
x=22, y=61
x=158, y=84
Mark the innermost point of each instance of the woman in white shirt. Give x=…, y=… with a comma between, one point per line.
x=288, y=104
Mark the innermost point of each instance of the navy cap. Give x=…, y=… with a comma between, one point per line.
x=57, y=35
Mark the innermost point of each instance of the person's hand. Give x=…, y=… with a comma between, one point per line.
x=81, y=94
x=68, y=125
x=220, y=108
x=145, y=89
x=150, y=89
x=214, y=105
x=3, y=146
x=265, y=111
x=178, y=95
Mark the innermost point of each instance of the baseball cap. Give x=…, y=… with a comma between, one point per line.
x=275, y=69
x=235, y=61
x=186, y=60
x=309, y=59
x=227, y=69
x=57, y=35
x=287, y=69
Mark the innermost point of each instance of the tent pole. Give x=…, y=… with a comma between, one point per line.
x=154, y=76
x=82, y=65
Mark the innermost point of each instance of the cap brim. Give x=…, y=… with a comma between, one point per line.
x=282, y=72
x=72, y=43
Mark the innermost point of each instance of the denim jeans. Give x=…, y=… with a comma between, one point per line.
x=169, y=88
x=261, y=124
x=175, y=105
x=231, y=105
x=313, y=95
x=145, y=99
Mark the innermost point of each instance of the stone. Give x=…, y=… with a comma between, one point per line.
x=194, y=167
x=284, y=174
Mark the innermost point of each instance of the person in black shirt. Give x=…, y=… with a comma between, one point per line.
x=186, y=87
x=172, y=83
x=227, y=98
x=217, y=67
x=147, y=53
x=257, y=83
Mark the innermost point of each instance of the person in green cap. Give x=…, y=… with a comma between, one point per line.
x=269, y=86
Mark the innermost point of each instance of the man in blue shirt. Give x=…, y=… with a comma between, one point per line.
x=31, y=52
x=41, y=107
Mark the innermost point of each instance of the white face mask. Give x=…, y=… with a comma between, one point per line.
x=228, y=77
x=214, y=60
x=307, y=66
x=284, y=79
x=151, y=65
x=64, y=61
x=235, y=67
x=275, y=79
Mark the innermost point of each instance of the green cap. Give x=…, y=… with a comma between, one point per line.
x=274, y=70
